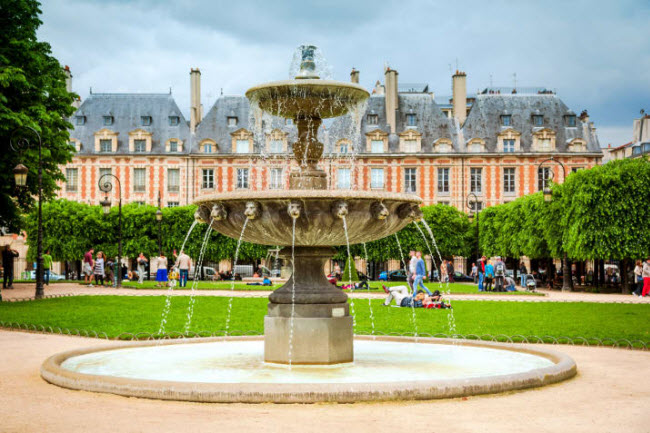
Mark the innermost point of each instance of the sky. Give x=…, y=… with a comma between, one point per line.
x=594, y=54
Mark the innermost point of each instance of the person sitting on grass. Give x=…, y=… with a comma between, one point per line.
x=265, y=282
x=360, y=285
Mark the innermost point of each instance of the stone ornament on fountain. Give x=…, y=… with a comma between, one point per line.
x=379, y=211
x=219, y=212
x=340, y=209
x=294, y=209
x=253, y=210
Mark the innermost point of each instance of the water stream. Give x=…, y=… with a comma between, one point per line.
x=232, y=283
x=197, y=275
x=293, y=290
x=347, y=244
x=406, y=267
x=372, y=314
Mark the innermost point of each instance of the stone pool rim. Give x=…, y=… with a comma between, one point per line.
x=563, y=368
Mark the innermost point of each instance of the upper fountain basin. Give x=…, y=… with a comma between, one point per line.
x=307, y=98
x=318, y=214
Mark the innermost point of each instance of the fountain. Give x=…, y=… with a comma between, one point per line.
x=308, y=344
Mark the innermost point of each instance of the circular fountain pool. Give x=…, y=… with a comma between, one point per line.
x=232, y=370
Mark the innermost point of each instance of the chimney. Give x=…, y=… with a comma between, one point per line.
x=354, y=76
x=196, y=109
x=390, y=79
x=584, y=116
x=68, y=78
x=459, y=96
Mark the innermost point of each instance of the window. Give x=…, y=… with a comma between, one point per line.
x=377, y=146
x=145, y=120
x=105, y=145
x=232, y=121
x=509, y=180
x=208, y=178
x=140, y=146
x=443, y=180
x=476, y=147
x=173, y=145
x=242, y=178
x=476, y=206
x=538, y=120
x=446, y=203
x=411, y=119
x=543, y=177
x=71, y=179
x=139, y=179
x=377, y=178
x=207, y=148
x=242, y=146
x=506, y=120
x=544, y=144
x=576, y=169
x=173, y=179
x=476, y=180
x=343, y=178
x=343, y=148
x=373, y=119
x=570, y=120
x=108, y=120
x=276, y=178
x=173, y=204
x=411, y=146
x=508, y=146
x=410, y=180
x=174, y=120
x=103, y=172
x=80, y=120
x=276, y=146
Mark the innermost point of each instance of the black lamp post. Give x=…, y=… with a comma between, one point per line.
x=19, y=142
x=159, y=217
x=106, y=185
x=548, y=197
x=473, y=211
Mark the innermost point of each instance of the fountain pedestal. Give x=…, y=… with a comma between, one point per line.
x=321, y=332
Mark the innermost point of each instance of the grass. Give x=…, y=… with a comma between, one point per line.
x=375, y=286
x=117, y=314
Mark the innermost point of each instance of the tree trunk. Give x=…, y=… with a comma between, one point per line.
x=625, y=281
x=566, y=274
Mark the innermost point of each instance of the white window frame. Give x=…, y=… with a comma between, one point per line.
x=443, y=180
x=509, y=180
x=137, y=185
x=376, y=146
x=344, y=178
x=207, y=178
x=243, y=178
x=377, y=179
x=476, y=180
x=275, y=178
x=509, y=145
x=71, y=179
x=411, y=180
x=138, y=141
x=239, y=144
x=173, y=179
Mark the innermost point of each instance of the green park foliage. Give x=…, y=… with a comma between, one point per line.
x=32, y=95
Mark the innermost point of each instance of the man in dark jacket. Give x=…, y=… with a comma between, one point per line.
x=8, y=256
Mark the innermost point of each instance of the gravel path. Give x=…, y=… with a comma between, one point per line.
x=25, y=290
x=610, y=394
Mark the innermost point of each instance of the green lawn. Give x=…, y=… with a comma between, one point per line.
x=375, y=286
x=117, y=314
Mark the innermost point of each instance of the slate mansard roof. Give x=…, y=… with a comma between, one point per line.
x=127, y=110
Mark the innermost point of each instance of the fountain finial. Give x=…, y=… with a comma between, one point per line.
x=307, y=65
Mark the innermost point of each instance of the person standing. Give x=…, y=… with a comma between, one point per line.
x=522, y=273
x=337, y=271
x=450, y=271
x=638, y=278
x=88, y=266
x=646, y=277
x=410, y=277
x=8, y=256
x=98, y=270
x=489, y=275
x=183, y=263
x=444, y=278
x=481, y=273
x=47, y=266
x=474, y=273
x=499, y=275
x=142, y=266
x=161, y=272
x=420, y=273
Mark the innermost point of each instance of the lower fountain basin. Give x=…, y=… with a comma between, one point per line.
x=232, y=370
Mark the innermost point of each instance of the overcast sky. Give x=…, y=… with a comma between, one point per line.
x=595, y=54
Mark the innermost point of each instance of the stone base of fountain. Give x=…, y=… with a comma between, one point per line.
x=308, y=178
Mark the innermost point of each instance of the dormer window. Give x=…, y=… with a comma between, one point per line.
x=173, y=146
x=344, y=147
x=411, y=119
x=145, y=120
x=506, y=120
x=80, y=120
x=570, y=120
x=538, y=120
x=373, y=119
x=232, y=121
x=105, y=145
x=140, y=146
x=108, y=120
x=276, y=146
x=174, y=120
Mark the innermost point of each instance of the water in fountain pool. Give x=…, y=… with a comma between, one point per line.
x=197, y=276
x=232, y=283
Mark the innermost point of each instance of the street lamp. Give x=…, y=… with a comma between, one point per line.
x=106, y=186
x=473, y=211
x=19, y=142
x=159, y=217
x=548, y=197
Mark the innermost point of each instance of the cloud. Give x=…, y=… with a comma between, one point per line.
x=595, y=54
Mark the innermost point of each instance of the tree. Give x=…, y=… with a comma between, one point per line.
x=32, y=94
x=350, y=271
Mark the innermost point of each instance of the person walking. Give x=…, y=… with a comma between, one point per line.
x=489, y=275
x=142, y=266
x=523, y=271
x=481, y=274
x=410, y=276
x=183, y=263
x=161, y=272
x=8, y=256
x=98, y=269
x=646, y=277
x=638, y=278
x=420, y=273
x=88, y=267
x=47, y=266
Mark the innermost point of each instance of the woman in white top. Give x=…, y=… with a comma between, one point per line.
x=99, y=268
